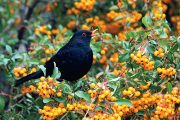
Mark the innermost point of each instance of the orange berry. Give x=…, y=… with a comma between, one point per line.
x=132, y=55
x=16, y=74
x=156, y=53
x=42, y=78
x=70, y=96
x=33, y=70
x=103, y=52
x=159, y=70
x=137, y=93
x=59, y=94
x=131, y=89
x=160, y=50
x=92, y=85
x=161, y=55
x=113, y=98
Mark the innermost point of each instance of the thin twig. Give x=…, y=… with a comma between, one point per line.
x=63, y=116
x=22, y=29
x=89, y=107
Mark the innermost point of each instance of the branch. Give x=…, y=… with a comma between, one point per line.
x=22, y=29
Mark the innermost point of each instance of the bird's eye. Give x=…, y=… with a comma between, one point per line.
x=84, y=34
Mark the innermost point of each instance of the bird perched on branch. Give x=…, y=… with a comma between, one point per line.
x=73, y=60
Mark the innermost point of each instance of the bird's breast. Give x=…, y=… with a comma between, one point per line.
x=76, y=63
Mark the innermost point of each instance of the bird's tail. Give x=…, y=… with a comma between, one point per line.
x=35, y=75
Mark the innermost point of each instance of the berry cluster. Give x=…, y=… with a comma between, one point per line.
x=28, y=89
x=159, y=53
x=99, y=115
x=112, y=15
x=121, y=71
x=114, y=57
x=20, y=71
x=131, y=92
x=49, y=51
x=82, y=5
x=94, y=22
x=50, y=113
x=79, y=106
x=85, y=5
x=45, y=30
x=46, y=87
x=159, y=13
x=145, y=87
x=43, y=60
x=141, y=59
x=73, y=11
x=166, y=72
x=103, y=53
x=176, y=21
x=120, y=109
x=71, y=24
x=100, y=93
x=121, y=36
x=165, y=106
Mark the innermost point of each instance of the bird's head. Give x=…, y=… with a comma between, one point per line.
x=82, y=37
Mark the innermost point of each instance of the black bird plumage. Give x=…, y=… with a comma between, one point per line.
x=73, y=60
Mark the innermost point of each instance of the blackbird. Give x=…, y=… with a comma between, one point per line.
x=73, y=60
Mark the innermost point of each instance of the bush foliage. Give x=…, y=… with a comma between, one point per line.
x=135, y=71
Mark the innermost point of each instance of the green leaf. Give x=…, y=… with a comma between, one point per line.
x=150, y=49
x=118, y=18
x=43, y=69
x=16, y=56
x=9, y=49
x=60, y=99
x=174, y=48
x=169, y=87
x=125, y=45
x=114, y=7
x=142, y=83
x=67, y=89
x=136, y=75
x=47, y=100
x=163, y=44
x=2, y=104
x=83, y=95
x=78, y=85
x=56, y=73
x=162, y=34
x=5, y=61
x=140, y=113
x=97, y=108
x=153, y=42
x=158, y=63
x=123, y=101
x=124, y=57
x=146, y=20
x=28, y=95
x=130, y=34
x=170, y=57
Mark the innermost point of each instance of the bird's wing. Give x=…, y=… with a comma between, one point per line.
x=49, y=65
x=65, y=57
x=60, y=58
